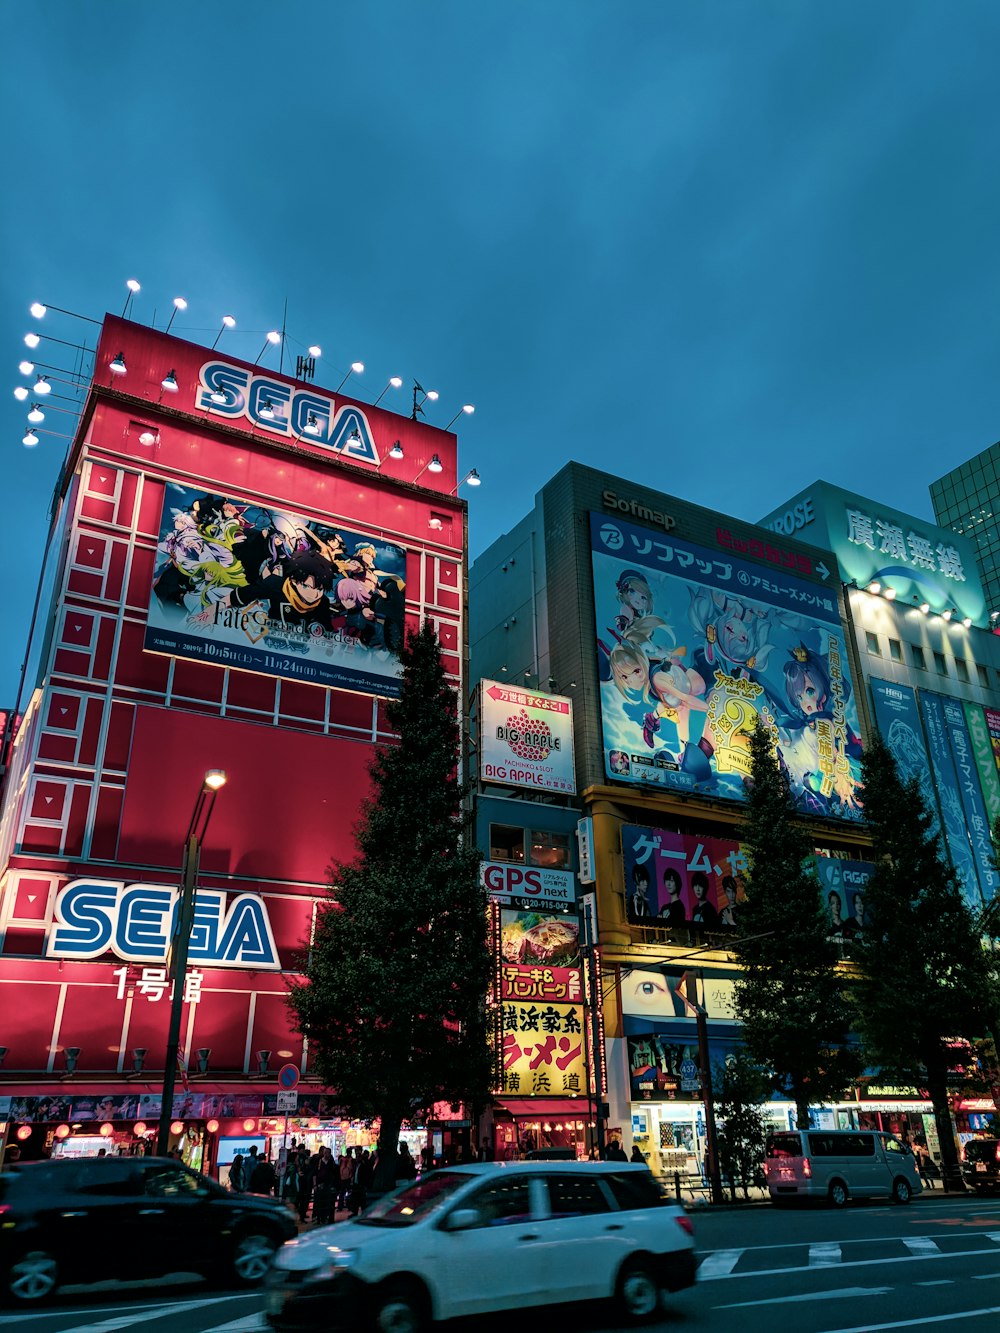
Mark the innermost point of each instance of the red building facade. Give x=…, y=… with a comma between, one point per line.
x=194, y=484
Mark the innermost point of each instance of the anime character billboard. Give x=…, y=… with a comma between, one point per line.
x=693, y=646
x=246, y=586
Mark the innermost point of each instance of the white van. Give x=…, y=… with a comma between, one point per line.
x=839, y=1164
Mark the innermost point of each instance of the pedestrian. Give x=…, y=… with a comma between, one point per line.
x=237, y=1176
x=303, y=1177
x=345, y=1175
x=485, y=1151
x=637, y=1156
x=615, y=1152
x=406, y=1168
x=363, y=1178
x=262, y=1177
x=325, y=1181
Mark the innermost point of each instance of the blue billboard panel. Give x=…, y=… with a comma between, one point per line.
x=949, y=795
x=694, y=647
x=899, y=722
x=243, y=585
x=976, y=819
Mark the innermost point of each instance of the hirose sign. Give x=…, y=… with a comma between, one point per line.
x=136, y=921
x=525, y=739
x=273, y=405
x=527, y=886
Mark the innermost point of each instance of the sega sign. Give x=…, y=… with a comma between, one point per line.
x=230, y=392
x=527, y=886
x=136, y=922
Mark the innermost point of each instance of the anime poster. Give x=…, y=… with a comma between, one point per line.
x=899, y=722
x=246, y=586
x=674, y=879
x=694, y=645
x=992, y=716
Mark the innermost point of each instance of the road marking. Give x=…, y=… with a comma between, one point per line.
x=847, y=1263
x=19, y=1319
x=912, y=1323
x=719, y=1264
x=994, y=1236
x=251, y=1323
x=921, y=1245
x=825, y=1255
x=127, y=1320
x=841, y=1292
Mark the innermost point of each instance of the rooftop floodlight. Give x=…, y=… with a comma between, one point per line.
x=227, y=323
x=271, y=340
x=133, y=287
x=315, y=350
x=179, y=304
x=472, y=477
x=26, y=367
x=435, y=465
x=169, y=382
x=215, y=779
x=925, y=607
x=394, y=383
x=37, y=309
x=20, y=393
x=267, y=410
x=357, y=368
x=889, y=594
x=468, y=409
x=875, y=587
x=312, y=425
x=218, y=395
x=30, y=439
x=36, y=416
x=31, y=340
x=147, y=437
x=396, y=451
x=967, y=622
x=117, y=365
x=42, y=386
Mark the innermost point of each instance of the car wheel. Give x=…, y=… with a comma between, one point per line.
x=637, y=1294
x=32, y=1278
x=252, y=1256
x=901, y=1191
x=837, y=1194
x=400, y=1307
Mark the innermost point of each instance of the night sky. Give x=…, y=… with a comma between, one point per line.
x=720, y=248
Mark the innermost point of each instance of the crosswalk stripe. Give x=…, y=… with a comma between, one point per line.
x=719, y=1264
x=825, y=1255
x=132, y=1318
x=993, y=1236
x=252, y=1323
x=921, y=1245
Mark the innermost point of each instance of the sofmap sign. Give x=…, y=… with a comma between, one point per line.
x=527, y=886
x=525, y=739
x=136, y=921
x=231, y=392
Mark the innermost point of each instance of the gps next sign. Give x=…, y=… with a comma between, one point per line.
x=525, y=739
x=527, y=886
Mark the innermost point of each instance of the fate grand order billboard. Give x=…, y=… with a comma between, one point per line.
x=694, y=645
x=261, y=589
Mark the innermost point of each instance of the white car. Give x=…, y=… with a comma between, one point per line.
x=469, y=1240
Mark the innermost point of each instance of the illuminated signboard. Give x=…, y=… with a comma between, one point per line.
x=525, y=738
x=695, y=645
x=242, y=585
x=543, y=1049
x=93, y=917
x=309, y=415
x=527, y=886
x=918, y=560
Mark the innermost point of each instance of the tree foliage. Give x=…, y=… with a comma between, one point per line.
x=790, y=996
x=926, y=978
x=393, y=996
x=741, y=1087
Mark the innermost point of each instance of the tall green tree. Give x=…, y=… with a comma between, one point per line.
x=925, y=977
x=393, y=994
x=741, y=1087
x=790, y=996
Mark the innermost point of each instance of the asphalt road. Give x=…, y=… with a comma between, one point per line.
x=934, y=1265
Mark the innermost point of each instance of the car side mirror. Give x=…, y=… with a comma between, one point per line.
x=462, y=1219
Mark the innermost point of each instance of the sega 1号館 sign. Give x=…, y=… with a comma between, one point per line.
x=136, y=922
x=527, y=887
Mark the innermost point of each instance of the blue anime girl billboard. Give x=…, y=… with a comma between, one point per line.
x=694, y=645
x=247, y=586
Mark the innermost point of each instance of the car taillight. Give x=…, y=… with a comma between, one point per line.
x=806, y=1168
x=997, y=1153
x=685, y=1224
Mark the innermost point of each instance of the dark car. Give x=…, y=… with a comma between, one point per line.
x=128, y=1217
x=981, y=1164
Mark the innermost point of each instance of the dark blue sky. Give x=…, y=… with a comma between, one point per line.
x=722, y=248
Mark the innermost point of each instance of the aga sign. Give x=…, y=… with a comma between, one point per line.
x=136, y=922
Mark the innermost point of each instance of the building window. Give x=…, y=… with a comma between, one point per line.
x=984, y=675
x=550, y=850
x=506, y=843
x=895, y=650
x=962, y=669
x=940, y=664
x=872, y=641
x=917, y=656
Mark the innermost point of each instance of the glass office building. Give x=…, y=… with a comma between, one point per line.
x=967, y=499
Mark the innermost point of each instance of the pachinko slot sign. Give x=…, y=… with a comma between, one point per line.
x=694, y=646
x=247, y=586
x=525, y=738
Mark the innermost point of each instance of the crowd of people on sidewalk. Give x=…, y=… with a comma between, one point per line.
x=318, y=1180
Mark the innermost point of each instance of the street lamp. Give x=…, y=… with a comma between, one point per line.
x=214, y=780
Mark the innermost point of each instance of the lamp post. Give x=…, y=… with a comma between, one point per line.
x=214, y=780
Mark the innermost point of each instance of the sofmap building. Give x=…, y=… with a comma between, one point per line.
x=234, y=556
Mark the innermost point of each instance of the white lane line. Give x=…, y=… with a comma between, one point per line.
x=993, y=1236
x=913, y=1323
x=19, y=1319
x=921, y=1245
x=718, y=1264
x=252, y=1323
x=847, y=1263
x=840, y=1293
x=825, y=1255
x=127, y=1320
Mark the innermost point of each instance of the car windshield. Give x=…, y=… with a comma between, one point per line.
x=416, y=1202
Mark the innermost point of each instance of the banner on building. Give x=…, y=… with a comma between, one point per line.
x=677, y=879
x=977, y=822
x=949, y=796
x=694, y=646
x=243, y=585
x=985, y=753
x=543, y=1049
x=529, y=887
x=525, y=738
